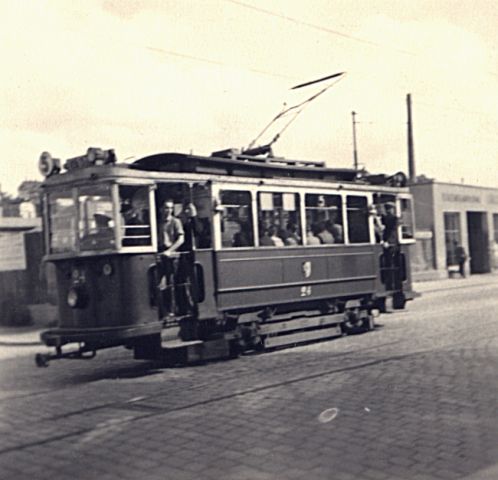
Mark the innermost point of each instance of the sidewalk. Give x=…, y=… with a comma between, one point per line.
x=20, y=336
x=450, y=283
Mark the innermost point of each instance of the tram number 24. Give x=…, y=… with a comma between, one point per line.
x=306, y=291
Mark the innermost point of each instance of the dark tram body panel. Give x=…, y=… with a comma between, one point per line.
x=259, y=277
x=116, y=304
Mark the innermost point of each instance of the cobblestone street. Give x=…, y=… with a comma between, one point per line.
x=415, y=399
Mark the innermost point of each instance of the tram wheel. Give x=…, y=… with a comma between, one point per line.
x=354, y=324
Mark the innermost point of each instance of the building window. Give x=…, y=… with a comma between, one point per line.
x=278, y=217
x=236, y=221
x=452, y=236
x=358, y=230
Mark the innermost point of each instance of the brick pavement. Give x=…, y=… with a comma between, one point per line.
x=415, y=399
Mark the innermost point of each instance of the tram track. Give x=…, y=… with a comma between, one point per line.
x=152, y=366
x=153, y=410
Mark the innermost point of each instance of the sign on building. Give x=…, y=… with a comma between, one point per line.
x=12, y=252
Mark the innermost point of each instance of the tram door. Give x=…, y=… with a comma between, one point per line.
x=178, y=290
x=477, y=227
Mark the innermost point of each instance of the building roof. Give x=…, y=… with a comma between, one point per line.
x=431, y=181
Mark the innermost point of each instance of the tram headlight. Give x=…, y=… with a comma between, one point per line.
x=107, y=269
x=48, y=165
x=77, y=297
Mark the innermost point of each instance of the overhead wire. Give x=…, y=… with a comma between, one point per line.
x=318, y=27
x=321, y=28
x=298, y=108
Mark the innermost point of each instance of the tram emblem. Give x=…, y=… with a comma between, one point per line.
x=306, y=269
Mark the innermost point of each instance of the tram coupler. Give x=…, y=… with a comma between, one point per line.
x=42, y=359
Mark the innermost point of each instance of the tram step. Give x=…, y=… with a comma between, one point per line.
x=300, y=337
x=177, y=343
x=195, y=350
x=301, y=323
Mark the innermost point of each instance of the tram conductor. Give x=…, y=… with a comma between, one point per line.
x=172, y=236
x=390, y=222
x=172, y=231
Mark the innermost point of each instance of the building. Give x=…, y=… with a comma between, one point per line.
x=448, y=215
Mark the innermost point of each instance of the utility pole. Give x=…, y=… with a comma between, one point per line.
x=355, y=151
x=411, y=154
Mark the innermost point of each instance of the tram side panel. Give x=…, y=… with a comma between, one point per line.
x=264, y=277
x=206, y=283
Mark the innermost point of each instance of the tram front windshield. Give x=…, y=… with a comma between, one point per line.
x=83, y=218
x=96, y=223
x=62, y=221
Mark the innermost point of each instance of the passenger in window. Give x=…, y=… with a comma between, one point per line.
x=243, y=238
x=188, y=218
x=311, y=238
x=270, y=238
x=265, y=240
x=202, y=233
x=377, y=222
x=133, y=222
x=323, y=234
x=277, y=241
x=390, y=222
x=292, y=238
x=130, y=215
x=335, y=228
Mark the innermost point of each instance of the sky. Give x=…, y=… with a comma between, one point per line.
x=149, y=76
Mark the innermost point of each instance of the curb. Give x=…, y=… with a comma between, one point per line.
x=19, y=344
x=443, y=287
x=21, y=339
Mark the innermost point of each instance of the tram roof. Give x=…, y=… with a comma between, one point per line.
x=244, y=166
x=229, y=163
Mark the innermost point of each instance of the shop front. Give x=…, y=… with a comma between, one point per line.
x=462, y=223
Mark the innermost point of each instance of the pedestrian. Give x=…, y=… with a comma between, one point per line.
x=461, y=258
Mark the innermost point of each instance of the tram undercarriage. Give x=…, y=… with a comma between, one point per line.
x=190, y=341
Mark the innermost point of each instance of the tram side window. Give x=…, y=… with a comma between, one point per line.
x=385, y=211
x=135, y=216
x=324, y=223
x=236, y=221
x=62, y=221
x=279, y=220
x=96, y=220
x=357, y=211
x=406, y=218
x=201, y=197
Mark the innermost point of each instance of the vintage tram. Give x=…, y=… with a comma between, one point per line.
x=275, y=252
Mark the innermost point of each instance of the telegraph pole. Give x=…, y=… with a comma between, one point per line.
x=411, y=154
x=355, y=150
